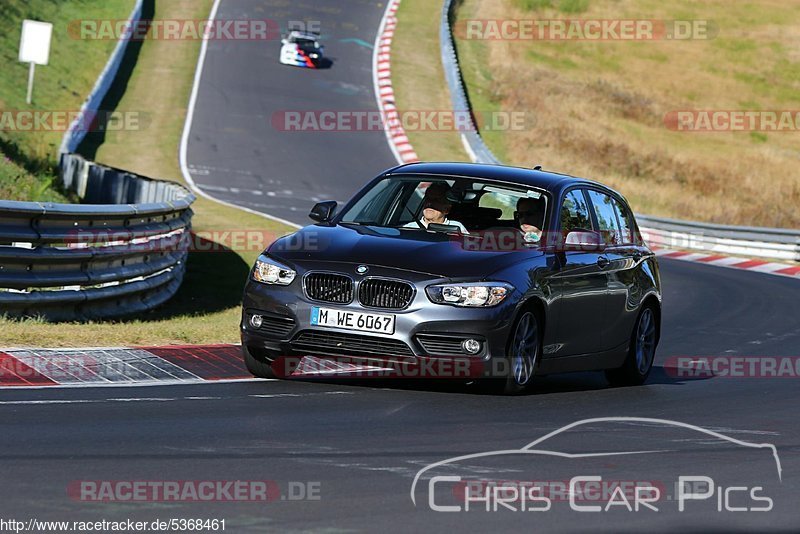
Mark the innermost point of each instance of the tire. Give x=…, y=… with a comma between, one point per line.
x=641, y=351
x=524, y=348
x=259, y=367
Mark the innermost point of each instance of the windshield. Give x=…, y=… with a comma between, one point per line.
x=452, y=205
x=306, y=43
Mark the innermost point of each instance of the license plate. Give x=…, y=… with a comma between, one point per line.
x=353, y=320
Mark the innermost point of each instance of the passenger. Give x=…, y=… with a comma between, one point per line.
x=436, y=207
x=530, y=218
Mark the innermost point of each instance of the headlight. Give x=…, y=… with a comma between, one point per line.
x=474, y=295
x=268, y=271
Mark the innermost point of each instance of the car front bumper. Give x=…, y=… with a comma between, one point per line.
x=426, y=336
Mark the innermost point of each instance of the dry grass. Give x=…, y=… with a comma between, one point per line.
x=599, y=107
x=418, y=78
x=207, y=307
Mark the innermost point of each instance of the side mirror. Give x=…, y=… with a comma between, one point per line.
x=323, y=211
x=584, y=241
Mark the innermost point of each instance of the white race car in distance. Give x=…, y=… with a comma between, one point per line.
x=301, y=49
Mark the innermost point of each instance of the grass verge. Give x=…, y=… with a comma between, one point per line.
x=62, y=85
x=206, y=308
x=418, y=78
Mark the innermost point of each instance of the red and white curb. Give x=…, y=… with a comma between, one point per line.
x=720, y=260
x=142, y=366
x=121, y=366
x=384, y=92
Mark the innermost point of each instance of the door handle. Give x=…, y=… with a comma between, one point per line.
x=602, y=262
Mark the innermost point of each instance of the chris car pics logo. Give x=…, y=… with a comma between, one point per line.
x=589, y=492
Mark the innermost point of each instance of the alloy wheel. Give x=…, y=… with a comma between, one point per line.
x=525, y=349
x=645, y=341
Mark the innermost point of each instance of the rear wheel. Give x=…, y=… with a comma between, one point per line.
x=641, y=352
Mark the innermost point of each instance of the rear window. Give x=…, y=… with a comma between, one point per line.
x=606, y=214
x=625, y=221
x=575, y=212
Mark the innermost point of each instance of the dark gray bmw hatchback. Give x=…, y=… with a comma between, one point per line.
x=500, y=272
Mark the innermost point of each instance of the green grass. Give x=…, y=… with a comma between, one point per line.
x=206, y=308
x=62, y=85
x=484, y=94
x=565, y=6
x=16, y=183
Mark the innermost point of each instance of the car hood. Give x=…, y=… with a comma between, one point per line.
x=443, y=255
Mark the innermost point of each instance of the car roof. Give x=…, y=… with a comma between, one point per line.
x=550, y=181
x=297, y=34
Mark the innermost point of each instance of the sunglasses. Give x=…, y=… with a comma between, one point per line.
x=527, y=215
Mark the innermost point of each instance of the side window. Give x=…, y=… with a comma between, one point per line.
x=606, y=217
x=575, y=212
x=625, y=221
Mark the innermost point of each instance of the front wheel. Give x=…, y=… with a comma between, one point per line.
x=641, y=352
x=257, y=364
x=523, y=352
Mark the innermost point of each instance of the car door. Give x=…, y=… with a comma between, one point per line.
x=617, y=266
x=581, y=283
x=624, y=288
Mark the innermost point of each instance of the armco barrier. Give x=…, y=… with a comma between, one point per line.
x=470, y=138
x=773, y=243
x=124, y=253
x=121, y=252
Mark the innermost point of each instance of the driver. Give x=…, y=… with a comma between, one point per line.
x=436, y=207
x=530, y=218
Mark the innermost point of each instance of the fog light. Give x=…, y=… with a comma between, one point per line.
x=471, y=346
x=256, y=320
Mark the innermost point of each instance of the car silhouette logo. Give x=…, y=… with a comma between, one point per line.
x=533, y=448
x=362, y=269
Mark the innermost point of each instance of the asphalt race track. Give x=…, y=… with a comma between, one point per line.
x=237, y=147
x=363, y=443
x=355, y=448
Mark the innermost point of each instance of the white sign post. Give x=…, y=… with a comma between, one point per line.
x=34, y=47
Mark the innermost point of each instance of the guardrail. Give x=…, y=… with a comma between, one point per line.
x=772, y=243
x=470, y=137
x=123, y=254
